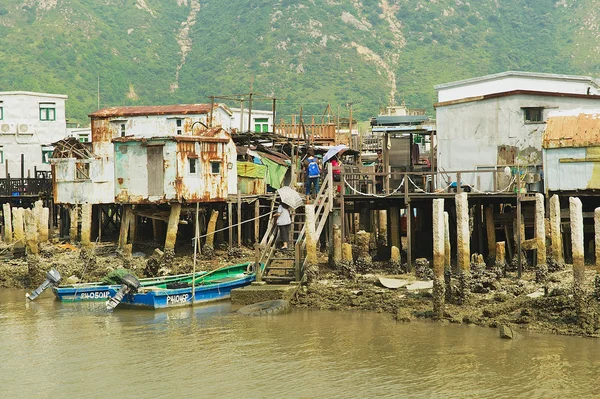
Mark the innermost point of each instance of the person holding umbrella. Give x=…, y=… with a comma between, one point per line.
x=284, y=221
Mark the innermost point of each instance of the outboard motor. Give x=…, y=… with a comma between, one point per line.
x=129, y=285
x=52, y=278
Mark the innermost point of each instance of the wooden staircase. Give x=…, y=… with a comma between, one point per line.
x=285, y=266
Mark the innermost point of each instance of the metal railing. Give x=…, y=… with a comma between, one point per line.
x=14, y=187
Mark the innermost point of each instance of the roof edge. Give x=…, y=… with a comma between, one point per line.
x=538, y=75
x=33, y=93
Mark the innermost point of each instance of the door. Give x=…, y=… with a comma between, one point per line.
x=155, y=171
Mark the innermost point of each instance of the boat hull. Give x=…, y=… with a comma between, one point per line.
x=170, y=298
x=101, y=292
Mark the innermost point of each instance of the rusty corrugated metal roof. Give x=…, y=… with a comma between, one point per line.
x=579, y=128
x=178, y=109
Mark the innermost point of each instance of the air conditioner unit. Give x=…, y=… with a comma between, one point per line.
x=25, y=128
x=7, y=128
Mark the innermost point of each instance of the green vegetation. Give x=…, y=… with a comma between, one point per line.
x=306, y=53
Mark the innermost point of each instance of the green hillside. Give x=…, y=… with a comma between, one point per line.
x=305, y=52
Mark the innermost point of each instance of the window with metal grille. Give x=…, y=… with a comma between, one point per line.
x=533, y=114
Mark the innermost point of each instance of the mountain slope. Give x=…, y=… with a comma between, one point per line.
x=304, y=52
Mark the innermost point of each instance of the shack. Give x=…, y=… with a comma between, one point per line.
x=571, y=151
x=185, y=169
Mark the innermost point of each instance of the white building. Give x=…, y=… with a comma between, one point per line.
x=95, y=179
x=500, y=119
x=29, y=124
x=261, y=121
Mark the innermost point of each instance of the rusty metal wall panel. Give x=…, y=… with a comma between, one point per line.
x=576, y=128
x=155, y=171
x=399, y=152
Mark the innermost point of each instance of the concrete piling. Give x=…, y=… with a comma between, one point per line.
x=363, y=260
x=337, y=245
x=501, y=256
x=74, y=214
x=597, y=252
x=31, y=232
x=555, y=233
x=382, y=235
x=43, y=230
x=576, y=216
x=447, y=258
x=395, y=260
x=463, y=248
x=312, y=267
x=540, y=237
x=86, y=224
x=18, y=228
x=438, y=258
x=172, y=227
x=8, y=230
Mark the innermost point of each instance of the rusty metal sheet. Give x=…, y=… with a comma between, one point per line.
x=572, y=130
x=101, y=131
x=182, y=109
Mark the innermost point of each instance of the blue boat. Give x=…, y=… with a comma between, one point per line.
x=99, y=291
x=214, y=286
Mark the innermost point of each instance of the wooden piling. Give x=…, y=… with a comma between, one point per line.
x=597, y=238
x=173, y=226
x=210, y=229
x=256, y=221
x=395, y=238
x=8, y=230
x=124, y=231
x=490, y=230
x=438, y=258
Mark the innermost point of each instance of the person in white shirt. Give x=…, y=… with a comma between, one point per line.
x=284, y=222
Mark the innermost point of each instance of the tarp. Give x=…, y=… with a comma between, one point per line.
x=251, y=169
x=275, y=174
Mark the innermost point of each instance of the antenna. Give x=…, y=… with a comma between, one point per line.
x=98, y=95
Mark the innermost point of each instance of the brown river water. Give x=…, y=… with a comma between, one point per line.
x=54, y=350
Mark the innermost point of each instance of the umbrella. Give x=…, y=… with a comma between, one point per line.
x=333, y=151
x=290, y=197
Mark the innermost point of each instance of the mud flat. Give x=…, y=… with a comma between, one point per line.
x=494, y=300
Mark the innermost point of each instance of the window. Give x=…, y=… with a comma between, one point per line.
x=215, y=167
x=83, y=138
x=82, y=171
x=122, y=130
x=534, y=115
x=193, y=165
x=179, y=123
x=1, y=110
x=46, y=154
x=47, y=111
x=261, y=125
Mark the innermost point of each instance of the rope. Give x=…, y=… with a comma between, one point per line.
x=420, y=190
x=372, y=195
x=234, y=225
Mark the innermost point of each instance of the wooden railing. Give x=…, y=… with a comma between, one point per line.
x=14, y=187
x=315, y=133
x=323, y=207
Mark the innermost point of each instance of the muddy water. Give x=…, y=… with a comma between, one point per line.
x=54, y=350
